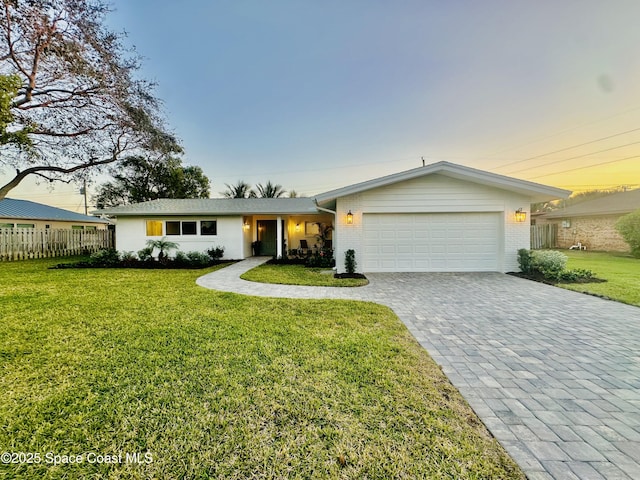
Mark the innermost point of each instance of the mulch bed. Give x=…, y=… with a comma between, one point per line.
x=150, y=265
x=537, y=277
x=349, y=275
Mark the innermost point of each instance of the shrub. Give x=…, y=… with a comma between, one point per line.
x=216, y=253
x=146, y=254
x=549, y=263
x=128, y=259
x=128, y=256
x=190, y=260
x=198, y=259
x=180, y=259
x=629, y=227
x=350, y=261
x=525, y=259
x=105, y=258
x=577, y=275
x=321, y=259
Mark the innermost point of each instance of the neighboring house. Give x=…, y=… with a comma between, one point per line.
x=27, y=214
x=440, y=217
x=592, y=223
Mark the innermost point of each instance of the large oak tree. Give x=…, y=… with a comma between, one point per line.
x=71, y=101
x=139, y=179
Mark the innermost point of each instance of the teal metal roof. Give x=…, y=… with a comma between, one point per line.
x=27, y=210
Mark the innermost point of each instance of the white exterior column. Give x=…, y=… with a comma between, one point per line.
x=279, y=237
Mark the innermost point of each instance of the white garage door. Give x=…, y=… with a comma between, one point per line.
x=431, y=242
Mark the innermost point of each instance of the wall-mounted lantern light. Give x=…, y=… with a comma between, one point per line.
x=349, y=218
x=520, y=215
x=245, y=225
x=297, y=227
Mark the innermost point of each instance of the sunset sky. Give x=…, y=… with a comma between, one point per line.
x=317, y=95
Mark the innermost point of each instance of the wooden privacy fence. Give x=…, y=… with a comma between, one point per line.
x=23, y=243
x=544, y=236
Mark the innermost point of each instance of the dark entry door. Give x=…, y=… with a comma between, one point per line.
x=267, y=232
x=267, y=235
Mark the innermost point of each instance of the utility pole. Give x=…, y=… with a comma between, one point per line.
x=83, y=191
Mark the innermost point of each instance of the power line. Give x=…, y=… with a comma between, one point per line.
x=554, y=162
x=587, y=166
x=565, y=131
x=566, y=148
x=272, y=173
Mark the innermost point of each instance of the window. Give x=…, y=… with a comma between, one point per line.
x=26, y=225
x=208, y=227
x=188, y=228
x=154, y=228
x=77, y=227
x=181, y=228
x=173, y=228
x=6, y=225
x=92, y=228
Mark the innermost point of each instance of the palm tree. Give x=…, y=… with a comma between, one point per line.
x=324, y=230
x=239, y=190
x=162, y=245
x=270, y=190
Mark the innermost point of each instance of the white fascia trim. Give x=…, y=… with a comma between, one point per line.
x=460, y=172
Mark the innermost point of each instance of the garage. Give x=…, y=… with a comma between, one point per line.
x=432, y=242
x=441, y=217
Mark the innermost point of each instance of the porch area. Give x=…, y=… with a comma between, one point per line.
x=282, y=236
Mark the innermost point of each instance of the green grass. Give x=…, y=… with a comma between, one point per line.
x=621, y=271
x=299, y=275
x=219, y=385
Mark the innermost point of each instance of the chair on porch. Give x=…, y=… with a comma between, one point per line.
x=304, y=248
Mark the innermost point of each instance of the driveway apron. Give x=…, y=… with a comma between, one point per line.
x=553, y=374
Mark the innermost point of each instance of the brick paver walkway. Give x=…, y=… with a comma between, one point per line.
x=553, y=374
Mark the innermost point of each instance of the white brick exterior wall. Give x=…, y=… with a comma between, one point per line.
x=516, y=235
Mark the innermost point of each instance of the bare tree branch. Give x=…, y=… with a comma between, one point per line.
x=79, y=98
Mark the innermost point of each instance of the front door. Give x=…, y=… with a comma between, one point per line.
x=267, y=234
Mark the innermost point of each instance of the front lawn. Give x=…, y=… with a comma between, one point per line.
x=108, y=363
x=299, y=275
x=621, y=271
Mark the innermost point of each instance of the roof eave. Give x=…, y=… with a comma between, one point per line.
x=565, y=214
x=50, y=219
x=112, y=213
x=536, y=191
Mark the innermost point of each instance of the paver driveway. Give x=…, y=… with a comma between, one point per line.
x=553, y=374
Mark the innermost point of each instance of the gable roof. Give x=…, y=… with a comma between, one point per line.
x=27, y=210
x=536, y=191
x=215, y=206
x=615, y=204
x=305, y=205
